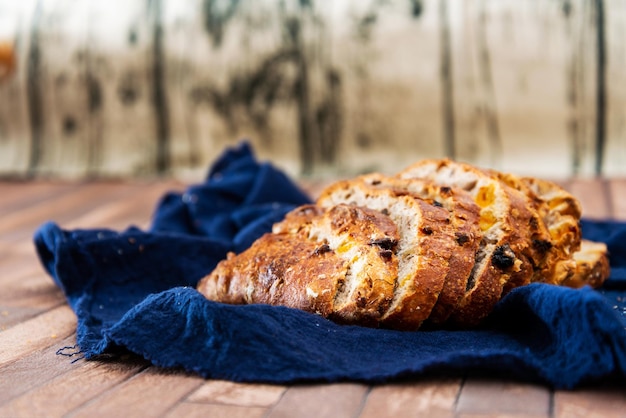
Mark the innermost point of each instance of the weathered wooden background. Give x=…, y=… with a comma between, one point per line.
x=320, y=87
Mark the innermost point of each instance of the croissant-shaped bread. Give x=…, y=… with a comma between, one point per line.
x=440, y=243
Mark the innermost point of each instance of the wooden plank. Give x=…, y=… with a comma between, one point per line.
x=25, y=297
x=151, y=393
x=19, y=195
x=15, y=133
x=593, y=195
x=35, y=334
x=194, y=410
x=59, y=90
x=11, y=315
x=615, y=151
x=617, y=190
x=242, y=394
x=61, y=208
x=432, y=398
x=121, y=69
x=79, y=383
x=332, y=400
x=102, y=88
x=490, y=398
x=118, y=212
x=18, y=266
x=18, y=377
x=599, y=402
x=26, y=289
x=135, y=208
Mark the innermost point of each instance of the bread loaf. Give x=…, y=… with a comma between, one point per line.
x=439, y=243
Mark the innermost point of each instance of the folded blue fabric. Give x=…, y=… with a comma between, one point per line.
x=134, y=290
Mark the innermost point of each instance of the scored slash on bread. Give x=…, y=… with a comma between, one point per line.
x=438, y=243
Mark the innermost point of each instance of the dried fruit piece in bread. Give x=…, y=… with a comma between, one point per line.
x=560, y=228
x=423, y=249
x=366, y=241
x=464, y=215
x=561, y=213
x=337, y=263
x=503, y=260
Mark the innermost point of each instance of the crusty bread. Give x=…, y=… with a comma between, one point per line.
x=366, y=241
x=561, y=213
x=464, y=213
x=424, y=248
x=339, y=263
x=440, y=242
x=560, y=217
x=278, y=269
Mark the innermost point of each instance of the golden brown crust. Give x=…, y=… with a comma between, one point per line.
x=425, y=244
x=561, y=213
x=464, y=215
x=433, y=249
x=367, y=240
x=528, y=238
x=278, y=269
x=481, y=297
x=504, y=221
x=352, y=247
x=558, y=215
x=298, y=220
x=592, y=266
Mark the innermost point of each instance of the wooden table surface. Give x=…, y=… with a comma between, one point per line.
x=35, y=322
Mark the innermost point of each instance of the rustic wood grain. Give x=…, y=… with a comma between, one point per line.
x=79, y=384
x=21, y=194
x=231, y=393
x=617, y=190
x=605, y=402
x=491, y=398
x=151, y=393
x=27, y=298
x=162, y=87
x=594, y=197
x=135, y=208
x=16, y=134
x=27, y=290
x=39, y=332
x=61, y=207
x=18, y=377
x=332, y=400
x=19, y=227
x=16, y=265
x=193, y=410
x=37, y=382
x=432, y=398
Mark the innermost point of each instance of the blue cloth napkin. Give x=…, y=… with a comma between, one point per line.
x=134, y=290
